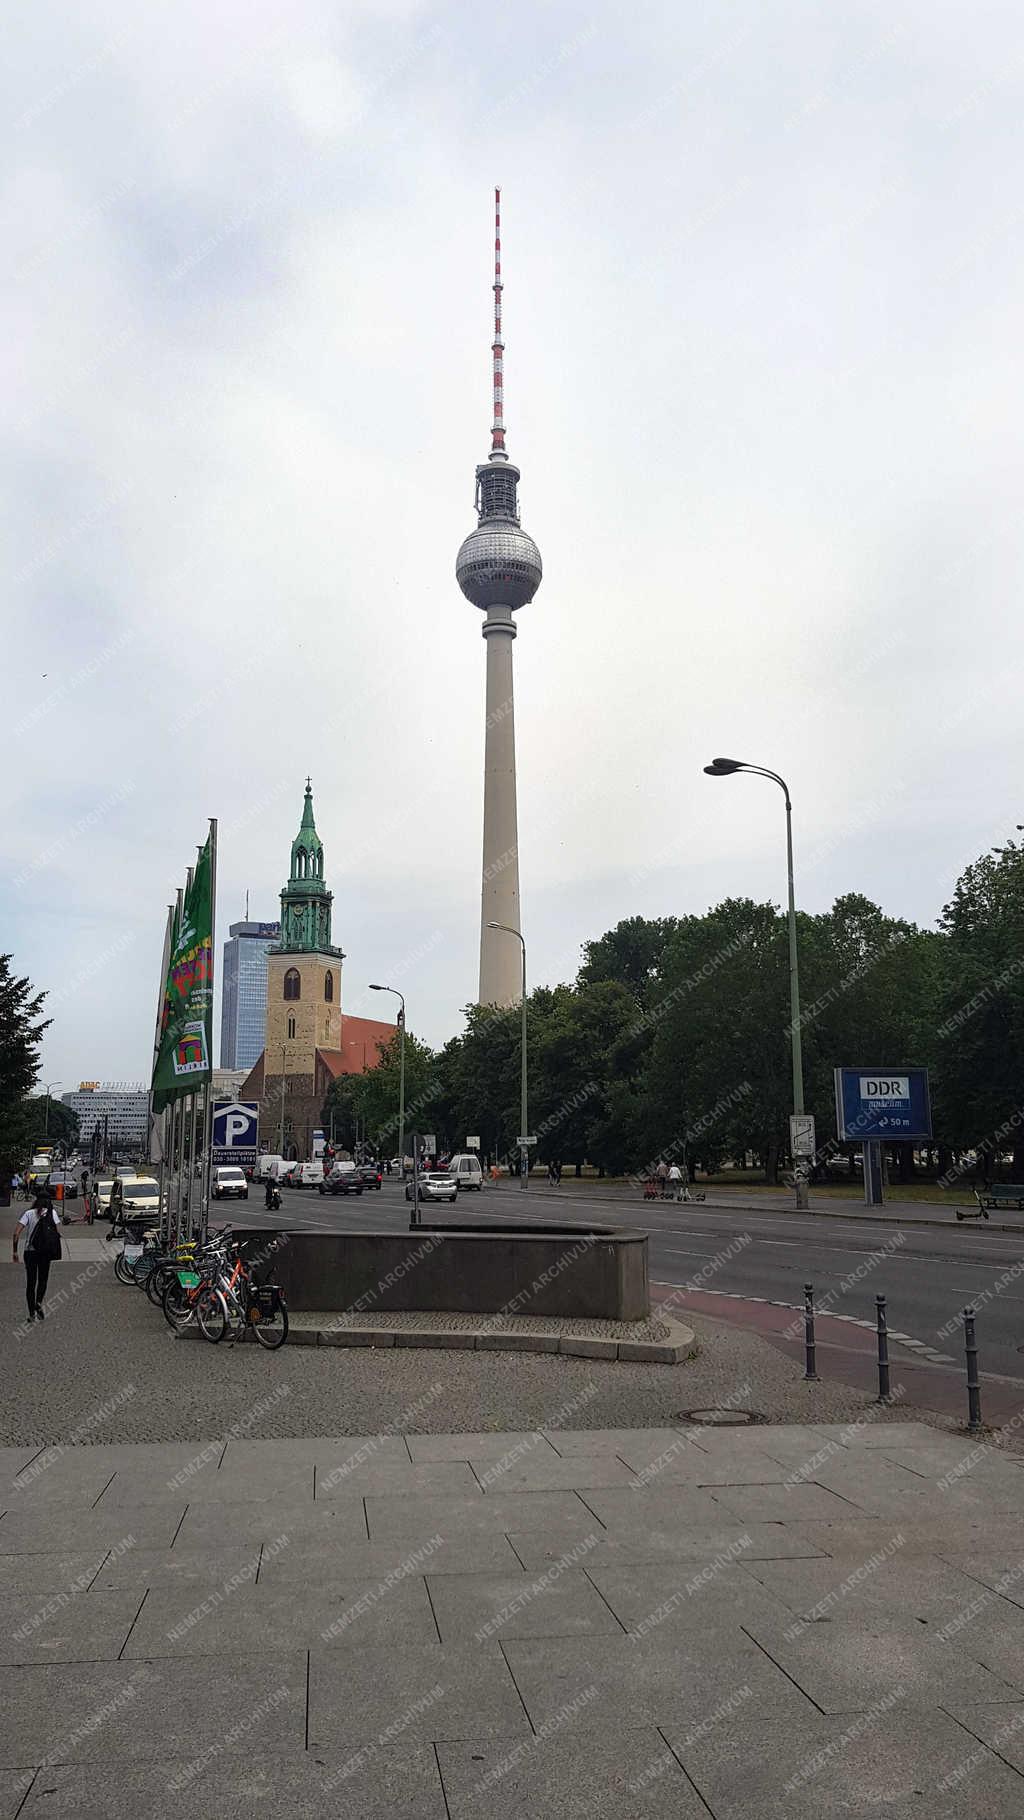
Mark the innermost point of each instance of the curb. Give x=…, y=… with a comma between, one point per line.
x=672, y=1351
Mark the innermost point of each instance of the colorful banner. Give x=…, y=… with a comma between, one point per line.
x=186, y=1026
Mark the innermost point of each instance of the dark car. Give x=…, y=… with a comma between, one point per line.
x=343, y=1181
x=371, y=1173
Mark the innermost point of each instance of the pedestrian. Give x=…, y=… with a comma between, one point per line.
x=85, y=1183
x=675, y=1181
x=662, y=1174
x=42, y=1248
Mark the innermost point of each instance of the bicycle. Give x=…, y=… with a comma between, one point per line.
x=191, y=1279
x=244, y=1305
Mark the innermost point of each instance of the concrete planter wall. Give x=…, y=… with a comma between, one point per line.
x=600, y=1272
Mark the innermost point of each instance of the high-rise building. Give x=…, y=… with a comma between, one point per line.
x=119, y=1108
x=499, y=569
x=244, y=993
x=307, y=1042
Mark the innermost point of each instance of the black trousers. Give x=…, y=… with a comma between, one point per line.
x=37, y=1274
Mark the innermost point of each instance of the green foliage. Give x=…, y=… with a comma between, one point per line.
x=21, y=1032
x=58, y=1125
x=676, y=1037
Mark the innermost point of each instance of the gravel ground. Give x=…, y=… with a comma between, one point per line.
x=653, y=1329
x=104, y=1367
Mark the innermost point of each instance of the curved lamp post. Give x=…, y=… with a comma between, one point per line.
x=401, y=1075
x=724, y=767
x=524, y=1173
x=46, y=1107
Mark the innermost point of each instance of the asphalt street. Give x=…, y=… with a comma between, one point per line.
x=927, y=1273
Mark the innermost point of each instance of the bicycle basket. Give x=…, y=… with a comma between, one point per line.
x=189, y=1279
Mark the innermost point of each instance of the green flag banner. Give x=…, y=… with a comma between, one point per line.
x=186, y=1026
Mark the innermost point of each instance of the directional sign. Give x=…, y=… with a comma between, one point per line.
x=472, y=1143
x=525, y=1142
x=235, y=1124
x=891, y=1103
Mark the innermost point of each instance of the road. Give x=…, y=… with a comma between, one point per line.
x=927, y=1273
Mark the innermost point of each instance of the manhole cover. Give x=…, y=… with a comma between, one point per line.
x=720, y=1418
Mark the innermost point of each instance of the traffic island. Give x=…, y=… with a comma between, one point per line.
x=595, y=1274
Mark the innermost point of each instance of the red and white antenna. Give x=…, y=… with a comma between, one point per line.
x=498, y=451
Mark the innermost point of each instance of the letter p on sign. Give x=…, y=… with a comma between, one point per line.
x=236, y=1127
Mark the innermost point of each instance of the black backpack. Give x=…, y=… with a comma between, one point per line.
x=45, y=1239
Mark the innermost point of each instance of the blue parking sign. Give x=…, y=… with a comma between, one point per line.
x=883, y=1103
x=235, y=1127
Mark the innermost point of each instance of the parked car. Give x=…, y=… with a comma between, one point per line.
x=435, y=1185
x=467, y=1170
x=141, y=1197
x=229, y=1180
x=102, y=1188
x=343, y=1179
x=308, y=1175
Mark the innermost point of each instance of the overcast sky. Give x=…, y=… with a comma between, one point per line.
x=763, y=314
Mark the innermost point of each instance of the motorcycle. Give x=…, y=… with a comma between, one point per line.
x=273, y=1198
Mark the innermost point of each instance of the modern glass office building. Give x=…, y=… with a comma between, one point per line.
x=244, y=993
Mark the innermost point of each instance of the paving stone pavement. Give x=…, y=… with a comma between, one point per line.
x=615, y=1624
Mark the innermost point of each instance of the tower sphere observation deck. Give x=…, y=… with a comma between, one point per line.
x=499, y=569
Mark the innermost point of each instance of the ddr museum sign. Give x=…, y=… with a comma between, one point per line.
x=883, y=1103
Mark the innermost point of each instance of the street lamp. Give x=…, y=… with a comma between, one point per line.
x=524, y=1151
x=724, y=767
x=401, y=1073
x=46, y=1107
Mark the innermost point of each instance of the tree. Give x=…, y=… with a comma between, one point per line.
x=57, y=1122
x=371, y=1098
x=980, y=1026
x=21, y=1032
x=633, y=953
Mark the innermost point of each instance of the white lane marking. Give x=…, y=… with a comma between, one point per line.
x=733, y=1295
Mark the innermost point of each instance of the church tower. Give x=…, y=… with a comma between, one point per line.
x=303, y=986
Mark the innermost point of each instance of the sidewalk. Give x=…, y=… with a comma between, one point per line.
x=594, y=1625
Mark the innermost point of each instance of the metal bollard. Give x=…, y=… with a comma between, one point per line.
x=973, y=1381
x=883, y=1351
x=810, y=1370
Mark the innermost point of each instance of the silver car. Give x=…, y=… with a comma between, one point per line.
x=435, y=1185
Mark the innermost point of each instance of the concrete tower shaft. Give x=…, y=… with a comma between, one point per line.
x=499, y=569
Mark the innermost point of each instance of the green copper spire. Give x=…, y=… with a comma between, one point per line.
x=305, y=900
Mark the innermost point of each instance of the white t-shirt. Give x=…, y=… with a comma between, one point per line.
x=675, y=1174
x=28, y=1220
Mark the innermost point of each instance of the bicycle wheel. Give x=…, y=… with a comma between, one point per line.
x=212, y=1314
x=271, y=1330
x=177, y=1305
x=123, y=1270
x=157, y=1282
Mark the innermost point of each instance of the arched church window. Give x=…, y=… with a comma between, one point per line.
x=291, y=1026
x=292, y=983
x=300, y=862
x=329, y=987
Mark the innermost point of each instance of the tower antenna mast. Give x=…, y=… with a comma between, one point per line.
x=498, y=451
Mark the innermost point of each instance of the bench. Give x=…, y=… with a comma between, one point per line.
x=996, y=1195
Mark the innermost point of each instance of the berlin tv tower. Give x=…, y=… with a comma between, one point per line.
x=499, y=569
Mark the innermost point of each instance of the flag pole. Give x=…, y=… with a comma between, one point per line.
x=158, y=1120
x=208, y=1117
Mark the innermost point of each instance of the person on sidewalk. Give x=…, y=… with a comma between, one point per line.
x=42, y=1248
x=675, y=1182
x=662, y=1174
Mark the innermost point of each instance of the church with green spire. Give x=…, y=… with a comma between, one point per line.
x=305, y=899
x=307, y=1042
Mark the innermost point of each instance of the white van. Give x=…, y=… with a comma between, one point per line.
x=266, y=1165
x=466, y=1170
x=310, y=1175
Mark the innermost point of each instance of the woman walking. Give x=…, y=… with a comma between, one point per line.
x=42, y=1248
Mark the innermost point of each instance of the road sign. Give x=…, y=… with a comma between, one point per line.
x=428, y=1146
x=472, y=1143
x=801, y=1134
x=883, y=1103
x=524, y=1143
x=235, y=1124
